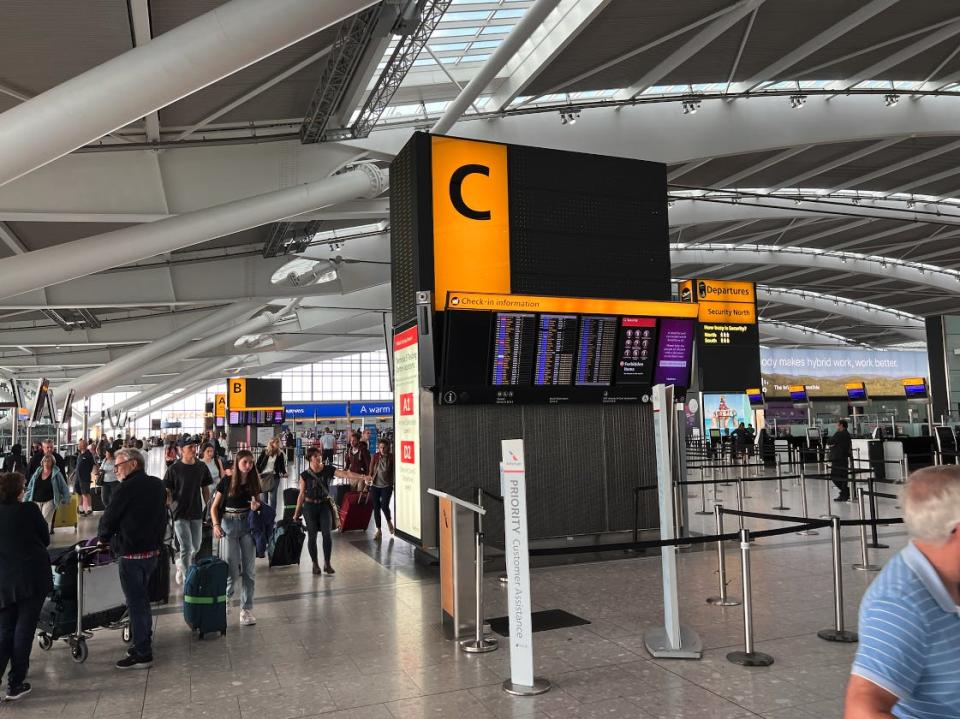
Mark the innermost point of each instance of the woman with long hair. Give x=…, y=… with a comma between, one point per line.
x=381, y=485
x=238, y=495
x=272, y=469
x=48, y=489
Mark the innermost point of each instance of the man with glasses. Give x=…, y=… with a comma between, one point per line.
x=134, y=525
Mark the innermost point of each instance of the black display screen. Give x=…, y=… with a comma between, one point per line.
x=514, y=346
x=529, y=357
x=556, y=349
x=596, y=350
x=728, y=356
x=256, y=417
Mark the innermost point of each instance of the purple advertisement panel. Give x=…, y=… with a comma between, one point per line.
x=674, y=352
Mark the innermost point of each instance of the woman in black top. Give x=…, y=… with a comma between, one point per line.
x=238, y=495
x=314, y=504
x=25, y=580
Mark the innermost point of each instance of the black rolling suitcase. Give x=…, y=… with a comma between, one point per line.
x=290, y=502
x=286, y=544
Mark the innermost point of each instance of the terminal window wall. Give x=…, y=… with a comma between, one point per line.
x=361, y=376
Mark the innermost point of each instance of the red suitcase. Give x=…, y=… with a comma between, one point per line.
x=356, y=511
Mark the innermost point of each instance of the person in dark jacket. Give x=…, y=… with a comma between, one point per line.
x=85, y=466
x=25, y=580
x=14, y=462
x=134, y=524
x=272, y=469
x=841, y=449
x=46, y=447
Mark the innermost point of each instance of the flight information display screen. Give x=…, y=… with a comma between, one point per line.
x=255, y=417
x=553, y=357
x=556, y=349
x=514, y=343
x=596, y=350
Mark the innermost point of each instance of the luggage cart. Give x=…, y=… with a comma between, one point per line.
x=99, y=604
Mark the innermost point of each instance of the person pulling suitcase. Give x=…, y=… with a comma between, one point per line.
x=317, y=508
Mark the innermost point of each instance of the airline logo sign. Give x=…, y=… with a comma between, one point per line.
x=220, y=405
x=471, y=224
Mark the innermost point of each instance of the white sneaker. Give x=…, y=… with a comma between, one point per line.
x=179, y=577
x=247, y=619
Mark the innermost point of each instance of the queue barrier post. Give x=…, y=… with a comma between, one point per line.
x=742, y=479
x=479, y=644
x=838, y=633
x=780, y=506
x=803, y=502
x=749, y=657
x=721, y=600
x=864, y=565
x=703, y=496
x=875, y=542
x=740, y=503
x=827, y=498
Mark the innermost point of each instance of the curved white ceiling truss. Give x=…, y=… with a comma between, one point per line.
x=846, y=262
x=802, y=335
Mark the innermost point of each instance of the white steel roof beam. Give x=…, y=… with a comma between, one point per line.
x=560, y=28
x=818, y=42
x=71, y=260
x=870, y=149
x=909, y=162
x=760, y=166
x=10, y=239
x=142, y=34
x=875, y=70
x=166, y=69
x=522, y=31
x=690, y=48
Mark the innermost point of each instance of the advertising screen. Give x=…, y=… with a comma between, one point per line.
x=406, y=368
x=635, y=350
x=826, y=372
x=725, y=411
x=674, y=352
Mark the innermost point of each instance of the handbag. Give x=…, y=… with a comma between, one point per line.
x=268, y=481
x=334, y=512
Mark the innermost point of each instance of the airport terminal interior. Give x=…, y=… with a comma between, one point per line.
x=591, y=347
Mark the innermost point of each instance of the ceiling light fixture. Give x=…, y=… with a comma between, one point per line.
x=690, y=106
x=798, y=101
x=891, y=99
x=569, y=117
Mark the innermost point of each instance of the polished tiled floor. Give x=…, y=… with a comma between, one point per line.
x=365, y=644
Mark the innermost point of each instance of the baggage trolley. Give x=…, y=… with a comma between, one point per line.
x=98, y=604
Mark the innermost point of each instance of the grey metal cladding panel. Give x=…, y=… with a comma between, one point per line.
x=565, y=484
x=630, y=462
x=403, y=234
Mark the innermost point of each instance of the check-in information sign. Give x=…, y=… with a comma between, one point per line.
x=406, y=369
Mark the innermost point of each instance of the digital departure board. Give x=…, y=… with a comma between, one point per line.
x=514, y=345
x=521, y=352
x=595, y=353
x=635, y=350
x=556, y=349
x=257, y=417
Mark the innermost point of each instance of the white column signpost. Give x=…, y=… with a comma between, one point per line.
x=671, y=640
x=513, y=487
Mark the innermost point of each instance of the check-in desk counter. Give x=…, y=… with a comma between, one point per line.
x=918, y=450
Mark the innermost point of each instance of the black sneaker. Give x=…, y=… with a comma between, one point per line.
x=134, y=661
x=842, y=498
x=17, y=693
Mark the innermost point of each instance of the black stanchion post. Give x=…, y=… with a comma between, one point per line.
x=838, y=633
x=875, y=542
x=803, y=502
x=748, y=657
x=864, y=565
x=721, y=600
x=636, y=514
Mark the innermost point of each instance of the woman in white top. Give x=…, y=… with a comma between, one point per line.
x=208, y=455
x=272, y=468
x=108, y=476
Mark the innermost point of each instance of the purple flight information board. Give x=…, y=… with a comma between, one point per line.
x=674, y=352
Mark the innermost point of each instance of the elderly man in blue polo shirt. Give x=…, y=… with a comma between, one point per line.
x=908, y=663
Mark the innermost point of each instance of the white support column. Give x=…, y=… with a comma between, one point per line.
x=530, y=21
x=79, y=258
x=690, y=48
x=146, y=78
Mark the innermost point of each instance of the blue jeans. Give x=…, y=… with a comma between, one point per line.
x=189, y=534
x=18, y=624
x=271, y=496
x=134, y=579
x=238, y=550
x=381, y=503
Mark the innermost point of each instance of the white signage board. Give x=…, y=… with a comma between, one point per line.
x=514, y=488
x=406, y=369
